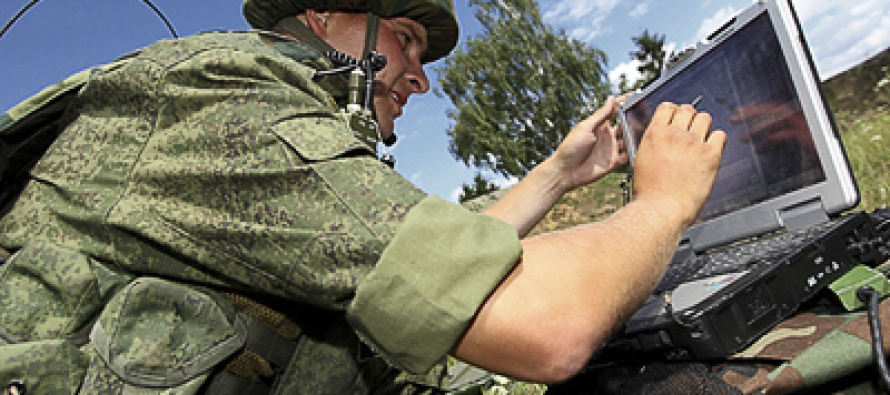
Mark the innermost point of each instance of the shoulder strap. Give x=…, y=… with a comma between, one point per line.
x=271, y=342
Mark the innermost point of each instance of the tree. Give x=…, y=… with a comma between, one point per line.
x=650, y=53
x=626, y=85
x=479, y=187
x=518, y=87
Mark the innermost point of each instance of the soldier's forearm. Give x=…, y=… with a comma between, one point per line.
x=530, y=200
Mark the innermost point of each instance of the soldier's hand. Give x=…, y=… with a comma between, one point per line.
x=678, y=160
x=593, y=148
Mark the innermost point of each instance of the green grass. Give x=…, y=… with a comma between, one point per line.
x=866, y=138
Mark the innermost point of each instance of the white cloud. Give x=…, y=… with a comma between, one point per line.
x=454, y=196
x=577, y=10
x=416, y=177
x=505, y=182
x=807, y=9
x=842, y=35
x=588, y=33
x=711, y=24
x=640, y=10
x=629, y=68
x=670, y=48
x=582, y=19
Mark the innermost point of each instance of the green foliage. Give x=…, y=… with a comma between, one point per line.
x=518, y=88
x=479, y=187
x=650, y=53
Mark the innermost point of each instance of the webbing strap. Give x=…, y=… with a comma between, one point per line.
x=269, y=345
x=371, y=34
x=266, y=342
x=271, y=340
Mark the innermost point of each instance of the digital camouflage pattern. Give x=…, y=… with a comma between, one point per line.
x=157, y=334
x=216, y=163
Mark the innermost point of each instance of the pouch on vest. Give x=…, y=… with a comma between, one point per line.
x=156, y=336
x=49, y=296
x=47, y=292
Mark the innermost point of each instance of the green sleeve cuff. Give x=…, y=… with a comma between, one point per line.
x=442, y=264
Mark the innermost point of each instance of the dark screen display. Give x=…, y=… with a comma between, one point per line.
x=745, y=84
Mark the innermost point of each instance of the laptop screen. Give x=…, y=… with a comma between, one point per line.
x=746, y=87
x=784, y=164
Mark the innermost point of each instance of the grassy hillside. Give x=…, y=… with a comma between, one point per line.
x=860, y=99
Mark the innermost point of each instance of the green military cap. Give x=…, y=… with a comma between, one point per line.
x=437, y=16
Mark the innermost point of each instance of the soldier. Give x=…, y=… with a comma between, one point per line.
x=213, y=218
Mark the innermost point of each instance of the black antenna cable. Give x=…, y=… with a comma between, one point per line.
x=33, y=2
x=17, y=16
x=163, y=18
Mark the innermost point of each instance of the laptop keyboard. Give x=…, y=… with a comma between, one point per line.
x=765, y=250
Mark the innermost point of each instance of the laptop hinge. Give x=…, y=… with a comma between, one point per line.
x=803, y=215
x=684, y=251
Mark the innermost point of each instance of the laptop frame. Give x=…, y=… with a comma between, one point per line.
x=794, y=210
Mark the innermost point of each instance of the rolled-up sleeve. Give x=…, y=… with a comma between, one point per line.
x=442, y=264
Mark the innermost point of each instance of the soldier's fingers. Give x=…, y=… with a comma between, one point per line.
x=683, y=116
x=701, y=125
x=663, y=114
x=602, y=115
x=622, y=98
x=717, y=138
x=616, y=131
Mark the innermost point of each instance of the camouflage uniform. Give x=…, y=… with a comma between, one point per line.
x=217, y=163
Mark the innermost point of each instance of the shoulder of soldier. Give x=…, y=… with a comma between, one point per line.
x=230, y=44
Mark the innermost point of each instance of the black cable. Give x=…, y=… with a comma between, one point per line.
x=626, y=185
x=163, y=18
x=17, y=16
x=872, y=297
x=33, y=2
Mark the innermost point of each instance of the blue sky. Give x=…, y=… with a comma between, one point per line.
x=58, y=37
